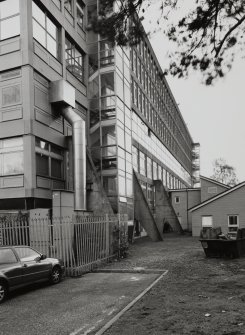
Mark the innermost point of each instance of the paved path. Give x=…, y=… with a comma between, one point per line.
x=76, y=306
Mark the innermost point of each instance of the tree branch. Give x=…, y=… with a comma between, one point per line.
x=227, y=34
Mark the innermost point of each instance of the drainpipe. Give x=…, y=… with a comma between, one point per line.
x=79, y=154
x=62, y=94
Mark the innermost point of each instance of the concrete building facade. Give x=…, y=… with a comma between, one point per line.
x=72, y=103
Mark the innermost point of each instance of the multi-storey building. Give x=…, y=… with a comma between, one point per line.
x=54, y=75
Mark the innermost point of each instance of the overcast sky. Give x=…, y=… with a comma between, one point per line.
x=215, y=114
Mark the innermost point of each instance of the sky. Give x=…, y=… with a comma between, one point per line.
x=215, y=115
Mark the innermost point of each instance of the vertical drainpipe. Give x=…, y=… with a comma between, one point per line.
x=79, y=155
x=62, y=94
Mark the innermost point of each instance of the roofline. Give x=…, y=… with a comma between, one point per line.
x=217, y=196
x=215, y=182
x=184, y=189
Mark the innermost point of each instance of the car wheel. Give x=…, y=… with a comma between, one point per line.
x=55, y=277
x=3, y=292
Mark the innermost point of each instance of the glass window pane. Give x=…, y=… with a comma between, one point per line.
x=42, y=165
x=10, y=27
x=110, y=184
x=108, y=135
x=41, y=144
x=120, y=137
x=56, y=168
x=39, y=33
x=51, y=46
x=38, y=14
x=80, y=13
x=9, y=8
x=128, y=141
x=122, y=185
x=107, y=84
x=13, y=163
x=109, y=151
x=26, y=254
x=7, y=256
x=68, y=5
x=51, y=28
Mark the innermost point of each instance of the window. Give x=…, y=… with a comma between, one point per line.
x=44, y=30
x=7, y=256
x=26, y=254
x=110, y=184
x=207, y=221
x=177, y=200
x=107, y=84
x=49, y=160
x=212, y=190
x=69, y=5
x=106, y=53
x=142, y=163
x=11, y=156
x=74, y=60
x=80, y=13
x=9, y=19
x=233, y=223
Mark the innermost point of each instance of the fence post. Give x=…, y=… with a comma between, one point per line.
x=107, y=235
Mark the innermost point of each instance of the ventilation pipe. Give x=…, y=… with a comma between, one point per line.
x=63, y=94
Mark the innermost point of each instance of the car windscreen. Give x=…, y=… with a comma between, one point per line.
x=7, y=256
x=26, y=254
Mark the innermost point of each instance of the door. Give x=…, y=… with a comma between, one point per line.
x=33, y=268
x=11, y=267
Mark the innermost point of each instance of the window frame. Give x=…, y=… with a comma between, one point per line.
x=8, y=18
x=48, y=153
x=177, y=199
x=231, y=225
x=46, y=31
x=74, y=49
x=207, y=216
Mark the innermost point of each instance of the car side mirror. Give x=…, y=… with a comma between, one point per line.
x=42, y=257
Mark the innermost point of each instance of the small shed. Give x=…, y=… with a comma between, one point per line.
x=225, y=210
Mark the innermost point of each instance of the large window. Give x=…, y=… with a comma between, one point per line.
x=49, y=160
x=11, y=156
x=44, y=30
x=74, y=60
x=9, y=19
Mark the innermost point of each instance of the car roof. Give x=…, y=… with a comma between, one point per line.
x=13, y=246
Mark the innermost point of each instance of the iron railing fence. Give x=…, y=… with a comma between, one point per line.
x=82, y=242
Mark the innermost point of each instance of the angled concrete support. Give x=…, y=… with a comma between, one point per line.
x=164, y=211
x=143, y=212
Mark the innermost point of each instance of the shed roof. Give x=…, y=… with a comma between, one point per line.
x=216, y=197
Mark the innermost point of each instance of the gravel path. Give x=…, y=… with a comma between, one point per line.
x=199, y=295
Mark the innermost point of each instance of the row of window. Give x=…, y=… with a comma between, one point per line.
x=233, y=222
x=76, y=8
x=147, y=73
x=161, y=123
x=49, y=158
x=46, y=32
x=153, y=145
x=147, y=167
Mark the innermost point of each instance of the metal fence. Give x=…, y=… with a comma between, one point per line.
x=82, y=242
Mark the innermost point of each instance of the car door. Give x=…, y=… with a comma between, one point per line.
x=33, y=268
x=10, y=267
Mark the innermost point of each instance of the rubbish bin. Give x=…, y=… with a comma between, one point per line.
x=223, y=248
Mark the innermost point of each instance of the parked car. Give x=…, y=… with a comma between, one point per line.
x=22, y=265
